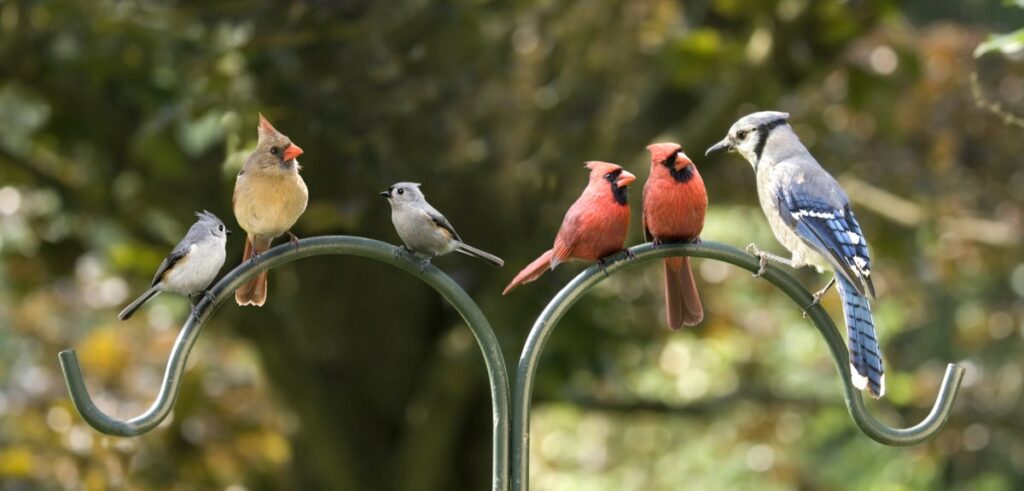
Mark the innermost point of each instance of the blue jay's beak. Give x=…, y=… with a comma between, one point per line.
x=719, y=147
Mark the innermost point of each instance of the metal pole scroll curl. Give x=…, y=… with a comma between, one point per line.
x=285, y=253
x=545, y=324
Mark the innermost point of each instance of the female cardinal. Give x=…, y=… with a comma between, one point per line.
x=674, y=206
x=593, y=228
x=269, y=198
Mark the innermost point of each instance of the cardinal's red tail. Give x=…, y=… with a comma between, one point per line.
x=533, y=271
x=682, y=302
x=255, y=291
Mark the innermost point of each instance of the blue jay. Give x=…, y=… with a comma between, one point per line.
x=810, y=215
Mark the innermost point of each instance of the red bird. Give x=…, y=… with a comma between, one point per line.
x=593, y=228
x=674, y=206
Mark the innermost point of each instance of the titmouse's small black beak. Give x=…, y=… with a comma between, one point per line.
x=719, y=147
x=228, y=231
x=386, y=194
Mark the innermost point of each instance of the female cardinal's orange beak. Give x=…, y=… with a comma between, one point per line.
x=625, y=179
x=292, y=152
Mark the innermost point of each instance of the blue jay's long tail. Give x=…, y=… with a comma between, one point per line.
x=865, y=356
x=139, y=302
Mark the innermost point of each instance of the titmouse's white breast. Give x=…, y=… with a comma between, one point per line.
x=419, y=232
x=194, y=272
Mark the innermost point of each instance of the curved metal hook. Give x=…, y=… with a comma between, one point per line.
x=548, y=319
x=285, y=253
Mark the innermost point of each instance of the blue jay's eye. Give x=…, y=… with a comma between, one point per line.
x=274, y=150
x=401, y=191
x=741, y=134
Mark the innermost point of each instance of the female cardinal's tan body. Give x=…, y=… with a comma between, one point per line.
x=594, y=227
x=269, y=198
x=674, y=205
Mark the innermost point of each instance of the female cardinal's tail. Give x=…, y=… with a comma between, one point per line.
x=682, y=302
x=255, y=291
x=531, y=272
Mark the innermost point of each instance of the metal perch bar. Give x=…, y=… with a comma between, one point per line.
x=285, y=253
x=548, y=319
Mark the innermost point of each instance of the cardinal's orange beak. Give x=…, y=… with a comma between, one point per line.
x=625, y=179
x=292, y=152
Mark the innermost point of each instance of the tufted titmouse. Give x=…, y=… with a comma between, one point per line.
x=423, y=229
x=191, y=266
x=269, y=198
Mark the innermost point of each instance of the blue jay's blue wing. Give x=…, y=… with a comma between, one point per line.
x=831, y=230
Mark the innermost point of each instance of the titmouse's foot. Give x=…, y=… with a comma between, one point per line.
x=207, y=295
x=762, y=260
x=401, y=251
x=294, y=239
x=424, y=264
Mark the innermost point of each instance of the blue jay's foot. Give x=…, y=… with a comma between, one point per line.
x=294, y=239
x=820, y=293
x=765, y=256
x=762, y=260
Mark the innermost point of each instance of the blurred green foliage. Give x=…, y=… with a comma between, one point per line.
x=119, y=118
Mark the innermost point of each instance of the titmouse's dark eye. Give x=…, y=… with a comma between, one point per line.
x=275, y=150
x=401, y=191
x=220, y=228
x=741, y=134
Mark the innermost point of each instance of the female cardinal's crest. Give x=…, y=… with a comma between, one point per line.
x=266, y=126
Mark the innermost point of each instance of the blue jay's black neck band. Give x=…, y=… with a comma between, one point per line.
x=762, y=137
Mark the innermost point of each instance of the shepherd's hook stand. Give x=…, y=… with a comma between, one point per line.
x=545, y=324
x=282, y=254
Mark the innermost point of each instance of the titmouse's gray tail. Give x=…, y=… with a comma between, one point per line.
x=473, y=251
x=132, y=307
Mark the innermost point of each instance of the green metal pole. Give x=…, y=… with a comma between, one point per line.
x=545, y=324
x=285, y=253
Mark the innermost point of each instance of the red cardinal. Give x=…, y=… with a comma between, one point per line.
x=674, y=206
x=593, y=228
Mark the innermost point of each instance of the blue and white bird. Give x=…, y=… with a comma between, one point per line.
x=810, y=215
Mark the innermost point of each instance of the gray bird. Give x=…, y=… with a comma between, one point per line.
x=191, y=266
x=810, y=215
x=423, y=229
